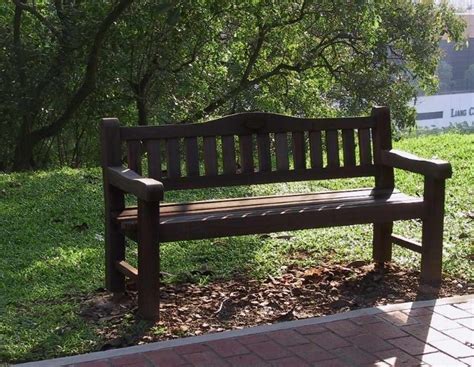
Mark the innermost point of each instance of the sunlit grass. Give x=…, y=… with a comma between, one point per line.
x=51, y=230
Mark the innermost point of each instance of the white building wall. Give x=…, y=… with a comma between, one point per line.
x=445, y=110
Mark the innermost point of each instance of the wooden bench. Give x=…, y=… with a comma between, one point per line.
x=257, y=148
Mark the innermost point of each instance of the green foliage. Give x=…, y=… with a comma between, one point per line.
x=52, y=245
x=64, y=65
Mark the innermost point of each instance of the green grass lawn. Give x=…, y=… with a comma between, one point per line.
x=51, y=245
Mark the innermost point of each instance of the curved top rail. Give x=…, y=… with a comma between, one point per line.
x=245, y=123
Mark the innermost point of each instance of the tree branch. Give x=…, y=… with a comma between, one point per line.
x=314, y=54
x=33, y=11
x=90, y=76
x=254, y=55
x=218, y=102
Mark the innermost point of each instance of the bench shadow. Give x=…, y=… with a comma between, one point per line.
x=408, y=344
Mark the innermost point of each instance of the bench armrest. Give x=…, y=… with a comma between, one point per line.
x=146, y=189
x=428, y=167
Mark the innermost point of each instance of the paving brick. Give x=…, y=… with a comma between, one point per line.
x=412, y=346
x=466, y=306
x=469, y=361
x=427, y=336
x=345, y=328
x=364, y=320
x=92, y=364
x=370, y=343
x=253, y=338
x=464, y=335
x=191, y=348
x=205, y=359
x=289, y=362
x=424, y=332
x=332, y=363
x=328, y=340
x=439, y=322
x=131, y=360
x=165, y=357
x=311, y=329
x=356, y=356
x=269, y=350
x=385, y=330
x=469, y=323
x=311, y=352
x=246, y=360
x=421, y=311
x=137, y=364
x=227, y=347
x=288, y=337
x=451, y=312
x=398, y=318
x=453, y=348
x=397, y=358
x=441, y=360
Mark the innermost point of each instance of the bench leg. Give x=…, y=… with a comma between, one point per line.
x=114, y=242
x=382, y=242
x=148, y=261
x=432, y=235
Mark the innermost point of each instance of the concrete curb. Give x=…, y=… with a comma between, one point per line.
x=247, y=331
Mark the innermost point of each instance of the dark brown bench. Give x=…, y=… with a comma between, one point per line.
x=256, y=148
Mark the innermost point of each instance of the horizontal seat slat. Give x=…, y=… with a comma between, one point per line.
x=281, y=210
x=218, y=204
x=225, y=207
x=278, y=213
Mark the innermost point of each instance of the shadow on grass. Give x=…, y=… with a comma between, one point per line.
x=52, y=226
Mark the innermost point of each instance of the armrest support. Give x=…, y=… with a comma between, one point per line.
x=434, y=168
x=146, y=189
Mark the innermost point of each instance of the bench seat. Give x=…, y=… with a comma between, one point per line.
x=252, y=215
x=253, y=148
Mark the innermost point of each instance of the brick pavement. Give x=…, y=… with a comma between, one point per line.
x=418, y=334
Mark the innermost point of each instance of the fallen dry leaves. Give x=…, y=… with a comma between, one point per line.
x=189, y=309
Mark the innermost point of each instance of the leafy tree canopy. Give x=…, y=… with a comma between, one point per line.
x=66, y=63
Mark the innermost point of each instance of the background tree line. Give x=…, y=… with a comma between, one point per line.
x=64, y=64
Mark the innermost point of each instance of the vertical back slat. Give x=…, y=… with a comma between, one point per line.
x=210, y=155
x=228, y=154
x=134, y=155
x=173, y=158
x=192, y=156
x=154, y=158
x=348, y=144
x=246, y=153
x=332, y=148
x=382, y=140
x=264, y=157
x=299, y=157
x=316, y=151
x=281, y=147
x=365, y=151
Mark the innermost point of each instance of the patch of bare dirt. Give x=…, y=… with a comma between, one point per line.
x=189, y=309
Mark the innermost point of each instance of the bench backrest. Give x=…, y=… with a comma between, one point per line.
x=251, y=148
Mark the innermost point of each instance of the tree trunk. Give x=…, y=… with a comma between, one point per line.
x=29, y=138
x=142, y=108
x=23, y=158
